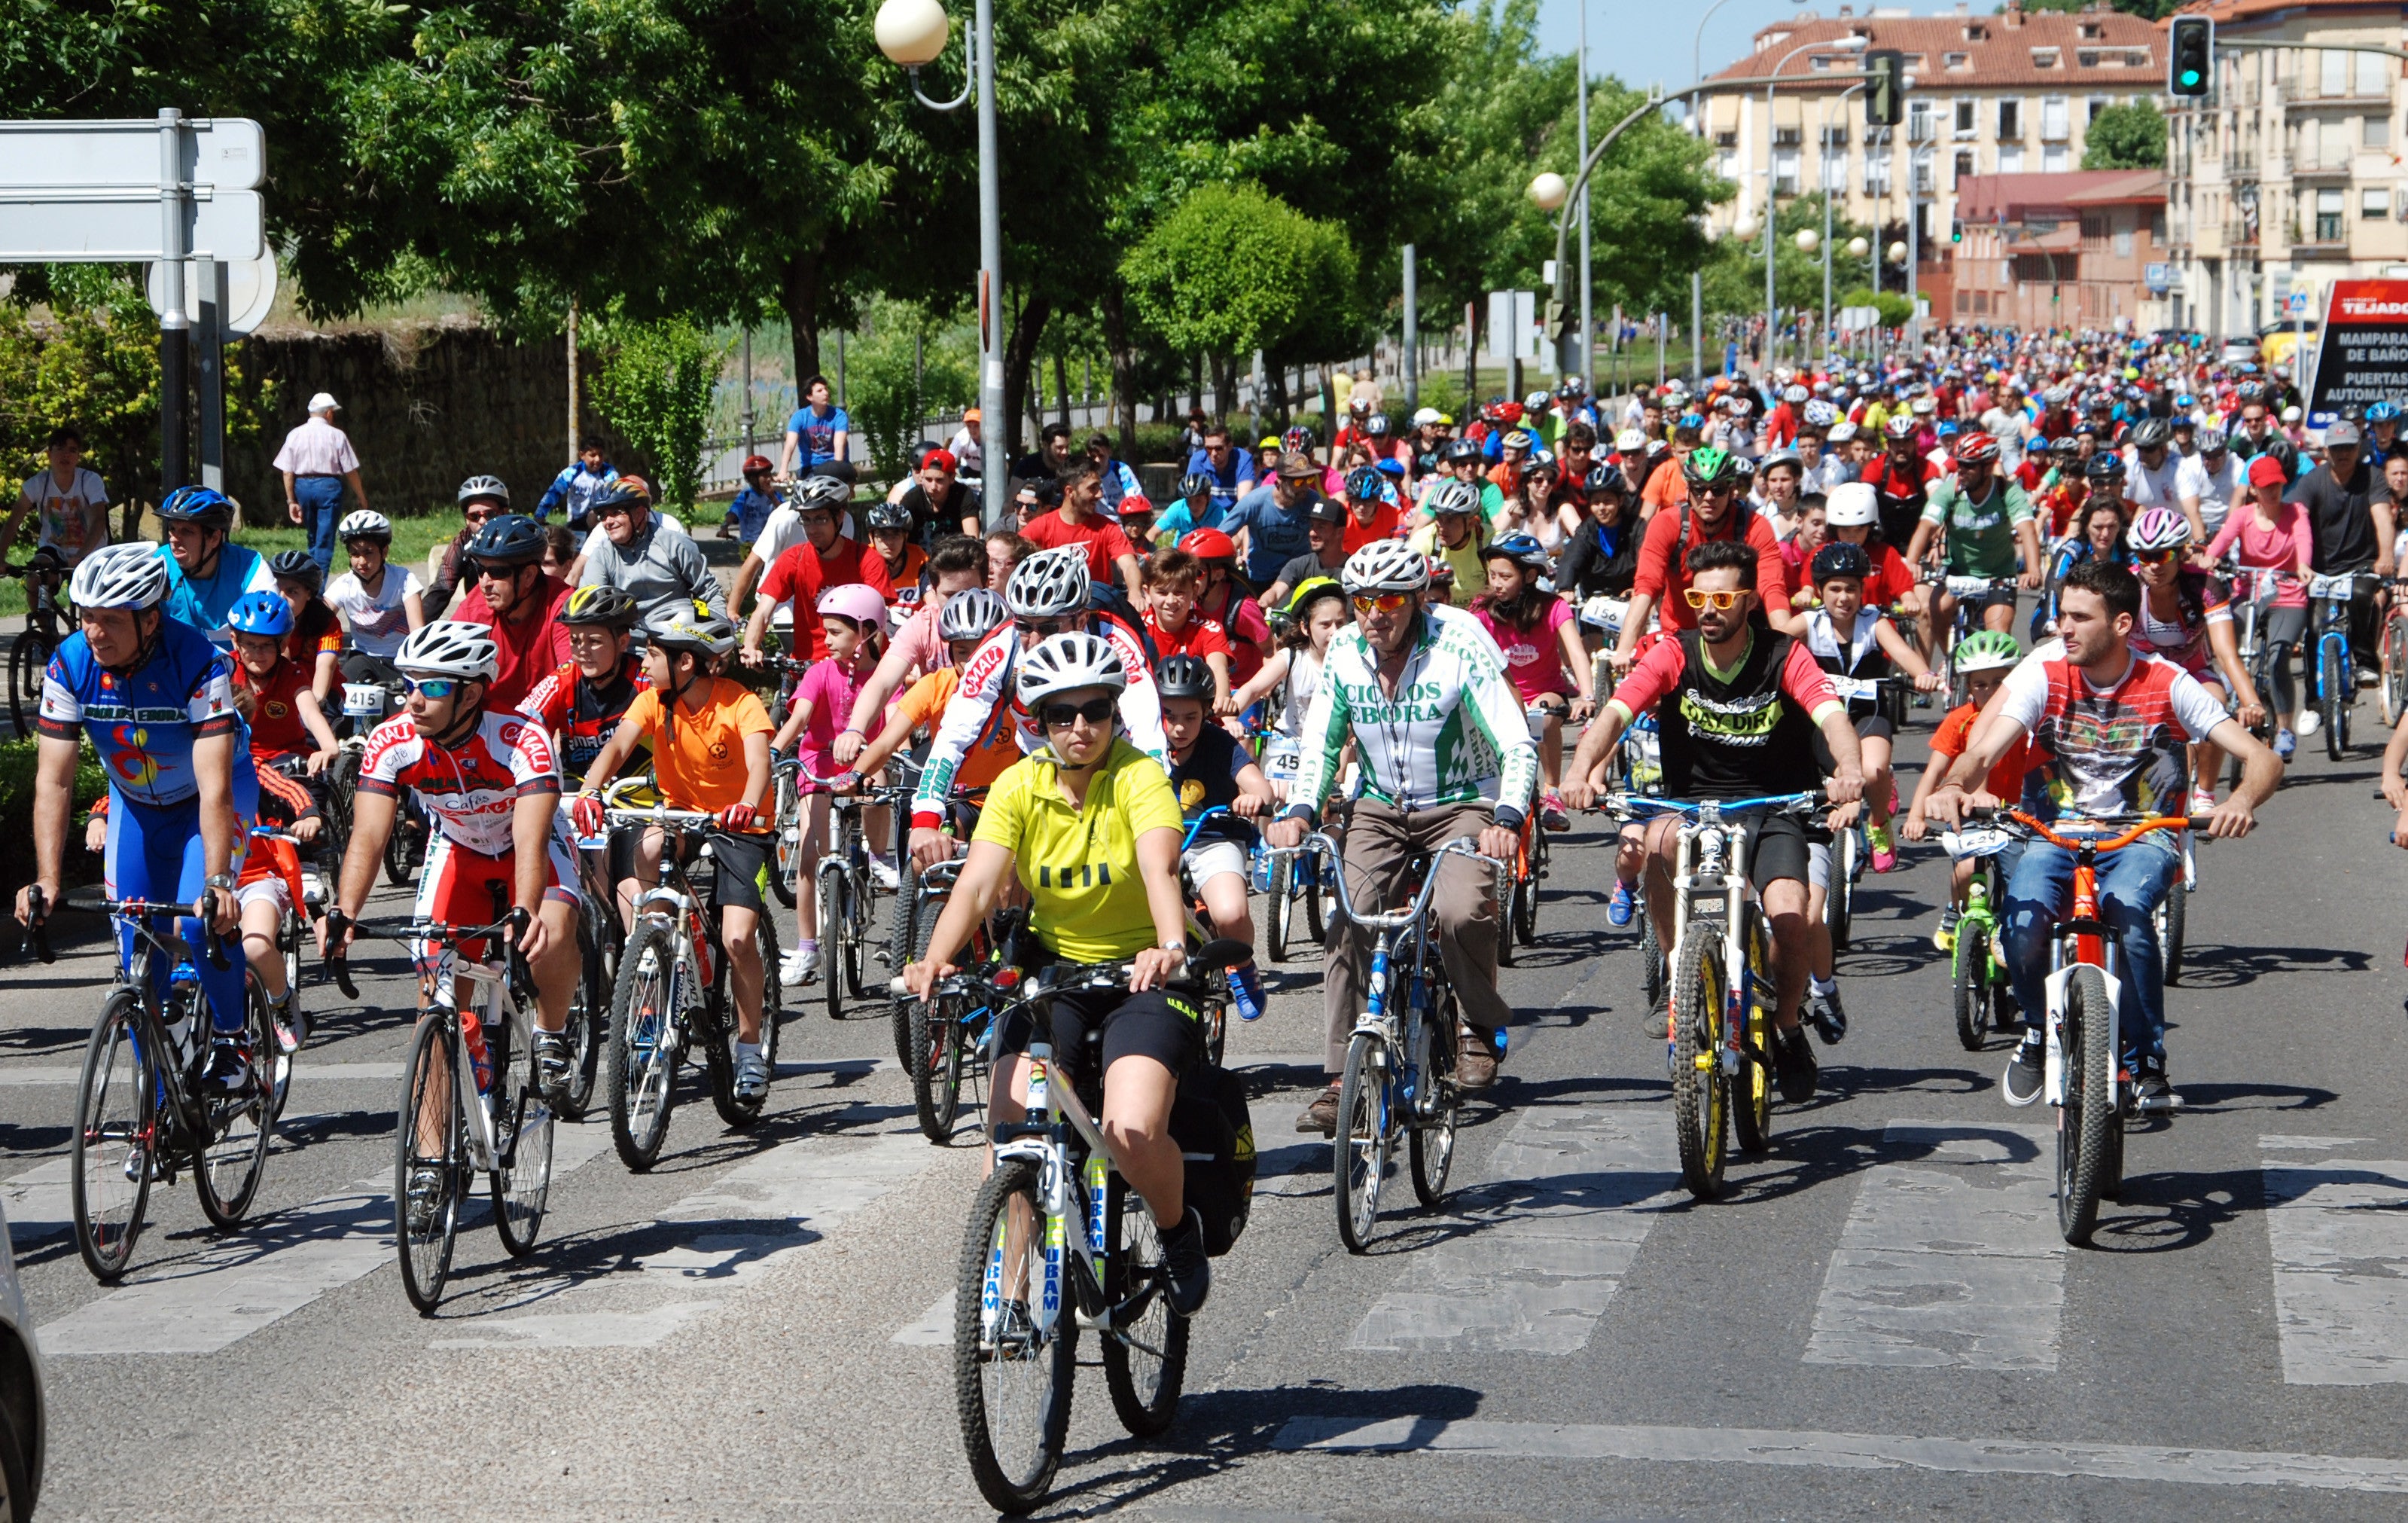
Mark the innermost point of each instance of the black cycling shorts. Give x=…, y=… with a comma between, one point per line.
x=740, y=858
x=1779, y=849
x=1869, y=726
x=1159, y=1024
x=1995, y=597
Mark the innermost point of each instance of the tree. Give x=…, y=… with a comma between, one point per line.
x=1735, y=271
x=654, y=387
x=904, y=368
x=2131, y=136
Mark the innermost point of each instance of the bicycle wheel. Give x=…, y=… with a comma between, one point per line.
x=1752, y=1086
x=430, y=1164
x=902, y=920
x=738, y=1112
x=1700, y=1109
x=1366, y=1145
x=1146, y=1356
x=227, y=1163
x=2173, y=917
x=27, y=660
x=1429, y=1146
x=398, y=843
x=835, y=896
x=342, y=792
x=907, y=1050
x=1320, y=899
x=1282, y=909
x=1838, y=899
x=2333, y=698
x=639, y=1068
x=2084, y=1120
x=588, y=1028
x=1013, y=1380
x=1972, y=979
x=1526, y=893
x=1652, y=975
x=1507, y=886
x=788, y=840
x=522, y=1178
x=115, y=1132
x=277, y=1061
x=859, y=897
x=2395, y=674
x=936, y=1066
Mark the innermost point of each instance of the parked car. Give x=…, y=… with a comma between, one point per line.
x=23, y=1408
x=2237, y=350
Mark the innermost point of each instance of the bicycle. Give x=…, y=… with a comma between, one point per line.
x=2395, y=655
x=1637, y=767
x=141, y=1105
x=2257, y=656
x=1975, y=973
x=1215, y=985
x=600, y=942
x=1055, y=1221
x=1400, y=1072
x=1970, y=594
x=2083, y=1078
x=2334, y=674
x=1517, y=881
x=1850, y=849
x=1289, y=882
x=672, y=992
x=46, y=623
x=846, y=891
x=460, y=1116
x=919, y=899
x=951, y=1032
x=1720, y=1031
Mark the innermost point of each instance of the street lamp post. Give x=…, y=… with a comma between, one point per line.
x=913, y=32
x=1587, y=334
x=1824, y=150
x=1840, y=45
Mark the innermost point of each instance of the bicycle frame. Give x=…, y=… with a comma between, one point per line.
x=498, y=1009
x=2329, y=599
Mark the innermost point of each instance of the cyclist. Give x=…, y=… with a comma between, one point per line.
x=2269, y=541
x=1901, y=480
x=578, y=484
x=964, y=625
x=1227, y=598
x=1982, y=660
x=205, y=573
x=379, y=601
x=1735, y=703
x=709, y=739
x=2186, y=618
x=272, y=689
x=822, y=559
x=1093, y=800
x=2109, y=727
x=854, y=619
x=1847, y=638
x=1852, y=516
x=481, y=499
x=69, y=504
x=1371, y=508
x=1444, y=752
x=1195, y=508
x=1208, y=771
x=1990, y=533
x=1535, y=630
x=518, y=603
x=903, y=562
x=272, y=692
x=485, y=776
x=316, y=641
x=580, y=702
x=1050, y=593
x=957, y=565
x=647, y=553
x=789, y=527
x=1713, y=510
x=1456, y=535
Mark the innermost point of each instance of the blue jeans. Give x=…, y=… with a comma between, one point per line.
x=2131, y=884
x=321, y=503
x=154, y=853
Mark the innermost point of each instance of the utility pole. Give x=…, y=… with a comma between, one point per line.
x=175, y=323
x=1587, y=336
x=1412, y=358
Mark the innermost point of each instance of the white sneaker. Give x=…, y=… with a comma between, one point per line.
x=799, y=967
x=881, y=873
x=2203, y=801
x=2310, y=722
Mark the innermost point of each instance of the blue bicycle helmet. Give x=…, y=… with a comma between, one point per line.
x=2383, y=412
x=509, y=539
x=262, y=613
x=198, y=504
x=1521, y=548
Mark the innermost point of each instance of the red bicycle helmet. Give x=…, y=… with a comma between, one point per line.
x=1975, y=449
x=1210, y=545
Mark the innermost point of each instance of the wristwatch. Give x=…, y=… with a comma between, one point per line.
x=219, y=880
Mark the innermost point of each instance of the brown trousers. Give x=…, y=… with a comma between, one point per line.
x=1378, y=839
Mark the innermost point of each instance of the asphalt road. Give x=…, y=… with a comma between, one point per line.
x=1877, y=1320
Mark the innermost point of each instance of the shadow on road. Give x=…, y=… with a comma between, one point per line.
x=2217, y=967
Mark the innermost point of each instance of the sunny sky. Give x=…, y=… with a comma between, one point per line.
x=1643, y=45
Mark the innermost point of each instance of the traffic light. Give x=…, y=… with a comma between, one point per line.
x=1956, y=229
x=2190, y=55
x=1886, y=92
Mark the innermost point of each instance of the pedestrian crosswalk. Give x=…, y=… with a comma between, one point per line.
x=2337, y=1224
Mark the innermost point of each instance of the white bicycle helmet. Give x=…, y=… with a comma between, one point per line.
x=364, y=523
x=1851, y=504
x=1821, y=414
x=1049, y=585
x=1384, y=566
x=485, y=486
x=1066, y=663
x=971, y=616
x=450, y=648
x=2157, y=528
x=1452, y=495
x=128, y=575
x=818, y=492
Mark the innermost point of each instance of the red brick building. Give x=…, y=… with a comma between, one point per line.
x=2070, y=250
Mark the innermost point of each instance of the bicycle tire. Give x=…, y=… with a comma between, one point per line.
x=902, y=924
x=342, y=796
x=1016, y=1480
x=831, y=887
x=2331, y=699
x=1971, y=977
x=1320, y=901
x=936, y=1102
x=788, y=817
x=2084, y=1120
x=925, y=926
x=639, y=1065
x=1505, y=885
x=1282, y=909
x=425, y=1249
x=737, y=1112
x=860, y=895
x=2174, y=916
x=111, y=1158
x=1429, y=1146
x=523, y=1134
x=1364, y=1144
x=1652, y=973
x=1701, y=1108
x=589, y=1018
x=1528, y=927
x=1752, y=1101
x=280, y=1062
x=230, y=1159
x=27, y=661
x=1146, y=1371
x=2395, y=676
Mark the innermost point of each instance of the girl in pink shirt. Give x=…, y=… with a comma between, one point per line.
x=1542, y=652
x=854, y=618
x=2272, y=540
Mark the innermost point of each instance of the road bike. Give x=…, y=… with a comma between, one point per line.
x=919, y=899
x=1975, y=971
x=1399, y=1078
x=46, y=623
x=2332, y=671
x=1058, y=1243
x=1718, y=1042
x=143, y=1107
x=601, y=938
x=674, y=991
x=2084, y=1078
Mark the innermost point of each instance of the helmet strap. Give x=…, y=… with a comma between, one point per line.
x=145, y=646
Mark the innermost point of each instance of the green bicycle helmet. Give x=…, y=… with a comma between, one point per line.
x=1709, y=467
x=1992, y=649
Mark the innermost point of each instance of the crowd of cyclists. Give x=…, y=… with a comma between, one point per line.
x=1102, y=713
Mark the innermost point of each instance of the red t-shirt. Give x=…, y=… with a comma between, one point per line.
x=532, y=649
x=1382, y=527
x=275, y=728
x=1955, y=732
x=1202, y=637
x=1803, y=682
x=1104, y=541
x=1665, y=576
x=802, y=573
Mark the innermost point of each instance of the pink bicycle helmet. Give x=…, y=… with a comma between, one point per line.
x=2157, y=528
x=857, y=602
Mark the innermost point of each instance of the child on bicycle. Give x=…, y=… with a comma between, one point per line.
x=853, y=618
x=1535, y=630
x=1209, y=769
x=1984, y=660
x=1317, y=610
x=710, y=739
x=272, y=691
x=1849, y=639
x=316, y=640
x=966, y=621
x=1173, y=578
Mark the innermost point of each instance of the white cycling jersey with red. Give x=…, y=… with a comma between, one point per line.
x=471, y=789
x=2199, y=600
x=988, y=695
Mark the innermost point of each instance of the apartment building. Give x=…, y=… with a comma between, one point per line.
x=2287, y=173
x=2060, y=250
x=2005, y=92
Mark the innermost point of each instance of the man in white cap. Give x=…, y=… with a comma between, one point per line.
x=317, y=459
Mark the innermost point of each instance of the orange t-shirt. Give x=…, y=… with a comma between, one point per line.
x=923, y=703
x=1955, y=732
x=698, y=756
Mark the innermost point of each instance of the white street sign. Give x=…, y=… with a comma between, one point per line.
x=229, y=152
x=2298, y=305
x=123, y=225
x=250, y=291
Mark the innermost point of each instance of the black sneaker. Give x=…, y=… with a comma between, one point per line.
x=1793, y=1063
x=552, y=1065
x=1829, y=1018
x=2026, y=1073
x=1186, y=1273
x=2150, y=1091
x=229, y=1070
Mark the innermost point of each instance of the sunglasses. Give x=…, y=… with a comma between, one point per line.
x=1044, y=626
x=2153, y=557
x=1059, y=716
x=498, y=571
x=1721, y=602
x=1382, y=602
x=433, y=688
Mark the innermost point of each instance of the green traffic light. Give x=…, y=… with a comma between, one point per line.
x=2189, y=78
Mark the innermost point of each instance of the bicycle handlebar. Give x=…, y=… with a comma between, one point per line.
x=138, y=911
x=2095, y=841
x=1394, y=919
x=1629, y=803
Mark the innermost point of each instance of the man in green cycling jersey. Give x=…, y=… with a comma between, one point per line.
x=1991, y=532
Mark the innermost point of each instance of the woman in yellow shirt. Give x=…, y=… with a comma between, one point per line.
x=1092, y=829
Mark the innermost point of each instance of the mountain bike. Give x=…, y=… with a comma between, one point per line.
x=44, y=573
x=2173, y=914
x=919, y=899
x=1400, y=1074
x=1056, y=1242
x=1517, y=883
x=1719, y=1040
x=1637, y=767
x=847, y=891
x=1290, y=882
x=953, y=1030
x=2332, y=671
x=1213, y=985
x=600, y=941
x=142, y=1105
x=2084, y=1077
x=673, y=991
x=1975, y=969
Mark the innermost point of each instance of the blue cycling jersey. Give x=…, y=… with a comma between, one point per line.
x=143, y=725
x=204, y=604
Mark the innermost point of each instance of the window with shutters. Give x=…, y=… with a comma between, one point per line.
x=1965, y=118
x=2328, y=216
x=2374, y=76
x=2373, y=204
x=2011, y=159
x=2375, y=131
x=2055, y=125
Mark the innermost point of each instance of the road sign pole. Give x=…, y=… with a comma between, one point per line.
x=212, y=356
x=174, y=325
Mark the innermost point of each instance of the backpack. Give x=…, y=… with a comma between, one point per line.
x=1215, y=1133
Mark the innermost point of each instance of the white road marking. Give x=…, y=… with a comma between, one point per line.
x=1951, y=1255
x=1571, y=1196
x=931, y=1328
x=2339, y=1231
x=250, y=1279
x=1846, y=1451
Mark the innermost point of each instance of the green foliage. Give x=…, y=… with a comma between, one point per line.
x=889, y=393
x=654, y=387
x=19, y=763
x=2127, y=136
x=1895, y=309
x=1233, y=270
x=1735, y=271
x=89, y=357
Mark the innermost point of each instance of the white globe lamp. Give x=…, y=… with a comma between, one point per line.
x=913, y=32
x=1809, y=240
x=1859, y=248
x=1897, y=252
x=1548, y=189
x=1744, y=229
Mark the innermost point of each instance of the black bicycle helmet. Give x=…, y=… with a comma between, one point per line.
x=1195, y=484
x=508, y=539
x=1183, y=677
x=1840, y=558
x=889, y=515
x=297, y=565
x=601, y=604
x=2106, y=465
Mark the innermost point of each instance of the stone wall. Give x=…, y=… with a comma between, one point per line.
x=427, y=405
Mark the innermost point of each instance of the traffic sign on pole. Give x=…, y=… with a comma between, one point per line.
x=224, y=152
x=66, y=226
